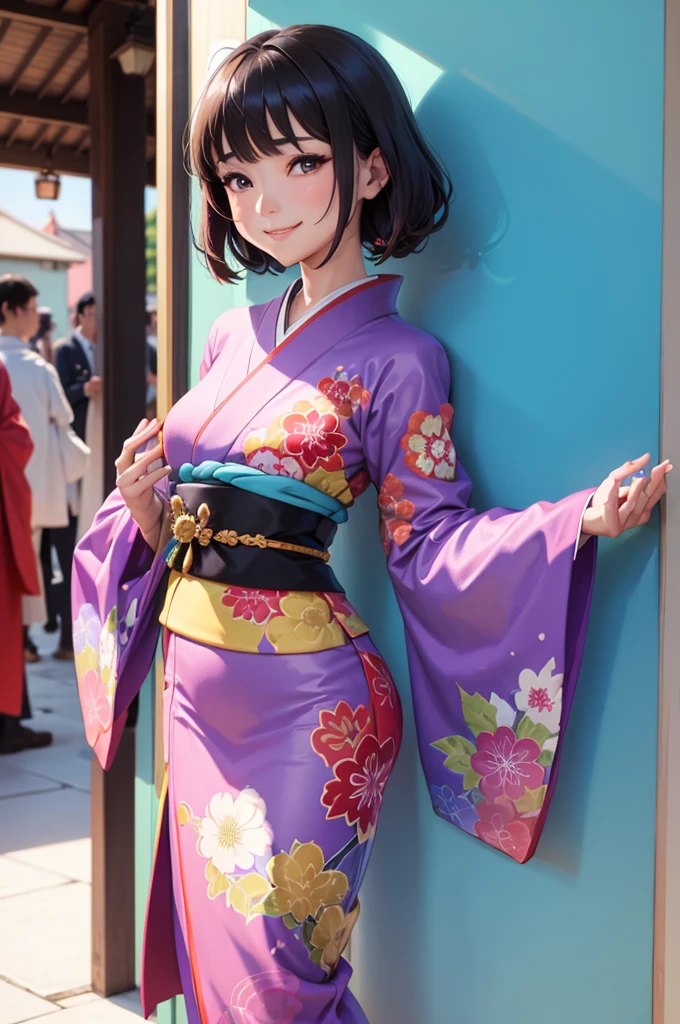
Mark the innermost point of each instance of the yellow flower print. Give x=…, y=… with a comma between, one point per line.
x=532, y=801
x=243, y=892
x=333, y=483
x=305, y=625
x=301, y=886
x=331, y=935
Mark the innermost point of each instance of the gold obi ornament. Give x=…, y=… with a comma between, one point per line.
x=187, y=528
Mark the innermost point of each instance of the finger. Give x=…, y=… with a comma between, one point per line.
x=146, y=482
x=635, y=499
x=131, y=444
x=629, y=468
x=139, y=466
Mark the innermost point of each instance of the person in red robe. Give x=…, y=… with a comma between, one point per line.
x=18, y=572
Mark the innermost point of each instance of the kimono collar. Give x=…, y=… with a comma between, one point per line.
x=372, y=299
x=282, y=332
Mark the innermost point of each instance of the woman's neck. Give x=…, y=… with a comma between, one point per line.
x=347, y=265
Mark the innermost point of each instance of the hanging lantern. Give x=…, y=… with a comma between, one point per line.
x=47, y=185
x=137, y=53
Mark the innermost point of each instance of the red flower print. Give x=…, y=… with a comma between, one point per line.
x=384, y=697
x=339, y=732
x=346, y=393
x=314, y=437
x=253, y=605
x=96, y=706
x=358, y=483
x=395, y=514
x=271, y=460
x=428, y=446
x=356, y=792
x=508, y=766
x=499, y=826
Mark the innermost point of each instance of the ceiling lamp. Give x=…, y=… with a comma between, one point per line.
x=137, y=53
x=47, y=185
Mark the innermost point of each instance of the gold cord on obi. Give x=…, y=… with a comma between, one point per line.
x=186, y=528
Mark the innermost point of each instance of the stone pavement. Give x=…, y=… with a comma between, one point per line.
x=45, y=872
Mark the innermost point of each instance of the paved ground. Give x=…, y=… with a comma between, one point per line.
x=45, y=866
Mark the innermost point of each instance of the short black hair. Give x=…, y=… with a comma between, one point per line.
x=343, y=92
x=84, y=301
x=16, y=291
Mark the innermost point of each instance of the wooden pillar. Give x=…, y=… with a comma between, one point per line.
x=118, y=126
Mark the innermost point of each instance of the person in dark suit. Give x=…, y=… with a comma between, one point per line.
x=74, y=359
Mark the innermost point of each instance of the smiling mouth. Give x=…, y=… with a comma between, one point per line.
x=282, y=232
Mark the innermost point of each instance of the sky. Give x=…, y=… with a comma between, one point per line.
x=73, y=209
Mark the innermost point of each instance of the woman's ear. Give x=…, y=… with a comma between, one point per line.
x=374, y=175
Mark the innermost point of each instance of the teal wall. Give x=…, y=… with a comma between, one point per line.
x=51, y=285
x=545, y=291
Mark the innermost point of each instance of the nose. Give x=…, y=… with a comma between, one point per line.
x=266, y=204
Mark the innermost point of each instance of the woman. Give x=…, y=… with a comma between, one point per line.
x=18, y=573
x=281, y=722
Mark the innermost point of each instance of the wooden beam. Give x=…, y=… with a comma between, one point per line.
x=73, y=81
x=13, y=132
x=41, y=36
x=65, y=55
x=38, y=14
x=56, y=141
x=24, y=156
x=5, y=26
x=29, y=108
x=39, y=137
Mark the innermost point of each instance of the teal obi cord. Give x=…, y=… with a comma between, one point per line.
x=282, y=488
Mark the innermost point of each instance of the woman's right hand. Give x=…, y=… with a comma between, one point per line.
x=136, y=484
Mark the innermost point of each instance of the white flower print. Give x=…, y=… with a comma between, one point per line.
x=235, y=831
x=505, y=714
x=540, y=696
x=125, y=625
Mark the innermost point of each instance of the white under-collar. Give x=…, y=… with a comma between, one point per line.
x=282, y=333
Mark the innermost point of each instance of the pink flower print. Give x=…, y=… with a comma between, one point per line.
x=428, y=446
x=266, y=998
x=314, y=437
x=273, y=461
x=499, y=826
x=96, y=706
x=507, y=765
x=256, y=606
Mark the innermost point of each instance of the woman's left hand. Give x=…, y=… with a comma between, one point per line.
x=615, y=509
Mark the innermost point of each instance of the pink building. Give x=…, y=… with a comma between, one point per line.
x=79, y=275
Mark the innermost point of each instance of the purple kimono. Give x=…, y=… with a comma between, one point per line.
x=281, y=721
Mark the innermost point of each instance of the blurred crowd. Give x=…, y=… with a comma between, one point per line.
x=49, y=391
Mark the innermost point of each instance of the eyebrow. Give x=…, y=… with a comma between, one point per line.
x=277, y=142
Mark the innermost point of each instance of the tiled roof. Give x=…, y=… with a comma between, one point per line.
x=21, y=241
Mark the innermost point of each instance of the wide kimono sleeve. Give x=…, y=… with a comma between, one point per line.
x=495, y=606
x=118, y=587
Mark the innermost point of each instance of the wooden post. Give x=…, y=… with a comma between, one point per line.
x=172, y=237
x=118, y=127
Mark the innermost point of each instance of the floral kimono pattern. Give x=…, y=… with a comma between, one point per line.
x=281, y=720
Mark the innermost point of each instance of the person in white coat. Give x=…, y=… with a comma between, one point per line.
x=43, y=403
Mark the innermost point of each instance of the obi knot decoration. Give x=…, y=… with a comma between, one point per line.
x=187, y=527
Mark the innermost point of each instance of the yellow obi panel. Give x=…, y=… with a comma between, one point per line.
x=257, y=621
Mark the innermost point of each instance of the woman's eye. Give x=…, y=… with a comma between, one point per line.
x=237, y=182
x=307, y=164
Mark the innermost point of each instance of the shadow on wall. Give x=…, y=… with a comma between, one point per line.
x=544, y=290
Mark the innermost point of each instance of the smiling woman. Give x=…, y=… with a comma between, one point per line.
x=281, y=721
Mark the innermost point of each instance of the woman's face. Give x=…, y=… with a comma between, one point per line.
x=280, y=203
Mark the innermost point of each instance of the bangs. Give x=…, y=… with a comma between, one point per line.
x=268, y=86
x=340, y=91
